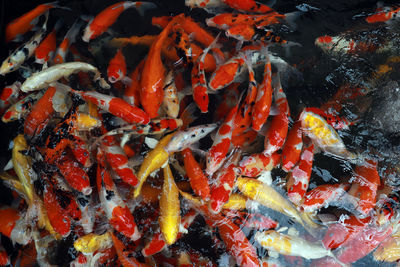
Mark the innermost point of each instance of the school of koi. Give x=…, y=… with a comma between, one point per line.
x=119, y=169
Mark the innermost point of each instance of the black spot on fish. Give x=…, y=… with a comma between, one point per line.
x=109, y=194
x=82, y=201
x=25, y=51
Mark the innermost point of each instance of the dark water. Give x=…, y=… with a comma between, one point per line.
x=376, y=134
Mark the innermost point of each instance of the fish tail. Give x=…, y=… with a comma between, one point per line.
x=142, y=7
x=188, y=115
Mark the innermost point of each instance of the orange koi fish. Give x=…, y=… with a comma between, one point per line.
x=74, y=174
x=70, y=37
x=225, y=21
x=276, y=134
x=132, y=91
x=385, y=14
x=224, y=183
x=226, y=73
x=322, y=196
x=12, y=226
x=108, y=16
x=299, y=177
x=292, y=148
x=116, y=70
x=80, y=149
x=45, y=51
x=197, y=178
x=263, y=100
x=242, y=6
x=365, y=186
x=153, y=74
x=16, y=28
x=215, y=157
x=247, y=33
x=125, y=255
x=119, y=215
x=171, y=100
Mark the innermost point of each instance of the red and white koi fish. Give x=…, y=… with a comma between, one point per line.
x=70, y=37
x=13, y=226
x=153, y=75
x=198, y=180
x=19, y=26
x=276, y=133
x=341, y=44
x=87, y=218
x=226, y=73
x=280, y=97
x=115, y=106
x=365, y=186
x=22, y=53
x=45, y=51
x=292, y=148
x=125, y=255
x=263, y=100
x=323, y=135
x=157, y=243
x=73, y=173
x=108, y=16
x=216, y=155
x=242, y=6
x=331, y=117
x=132, y=91
x=116, y=70
x=119, y=215
x=118, y=161
x=291, y=245
x=44, y=78
x=322, y=196
x=58, y=218
x=386, y=212
x=253, y=165
x=299, y=177
x=385, y=14
x=362, y=244
x=80, y=149
x=171, y=100
x=9, y=95
x=199, y=83
x=344, y=230
x=224, y=183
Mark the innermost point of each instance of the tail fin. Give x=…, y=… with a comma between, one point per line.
x=188, y=115
x=141, y=7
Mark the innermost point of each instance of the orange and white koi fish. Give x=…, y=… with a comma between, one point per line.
x=322, y=196
x=299, y=177
x=199, y=83
x=13, y=226
x=70, y=37
x=132, y=91
x=385, y=14
x=9, y=95
x=157, y=243
x=345, y=229
x=253, y=165
x=225, y=21
x=116, y=70
x=342, y=45
x=247, y=33
x=44, y=78
x=242, y=6
x=226, y=73
x=22, y=53
x=46, y=49
x=216, y=155
x=276, y=133
x=365, y=186
x=263, y=100
x=292, y=148
x=153, y=75
x=119, y=215
x=170, y=216
x=323, y=135
x=108, y=16
x=224, y=183
x=125, y=255
x=80, y=150
x=198, y=180
x=171, y=100
x=19, y=26
x=291, y=245
x=115, y=106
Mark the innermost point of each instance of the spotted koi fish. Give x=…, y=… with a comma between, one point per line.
x=385, y=14
x=323, y=195
x=116, y=70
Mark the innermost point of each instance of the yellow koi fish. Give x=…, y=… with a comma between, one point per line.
x=92, y=242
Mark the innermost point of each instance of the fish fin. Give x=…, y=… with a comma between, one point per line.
x=86, y=18
x=126, y=80
x=142, y=7
x=292, y=17
x=188, y=115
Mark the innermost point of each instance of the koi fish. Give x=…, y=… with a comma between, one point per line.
x=224, y=21
x=365, y=186
x=385, y=14
x=388, y=250
x=125, y=256
x=116, y=70
x=263, y=100
x=70, y=37
x=108, y=16
x=276, y=134
x=247, y=33
x=323, y=135
x=9, y=94
x=92, y=242
x=197, y=178
x=171, y=100
x=292, y=147
x=323, y=195
x=253, y=165
x=227, y=73
x=132, y=91
x=242, y=6
x=118, y=214
x=46, y=49
x=291, y=245
x=343, y=45
x=45, y=77
x=235, y=202
x=13, y=226
x=22, y=53
x=169, y=208
x=299, y=177
x=19, y=26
